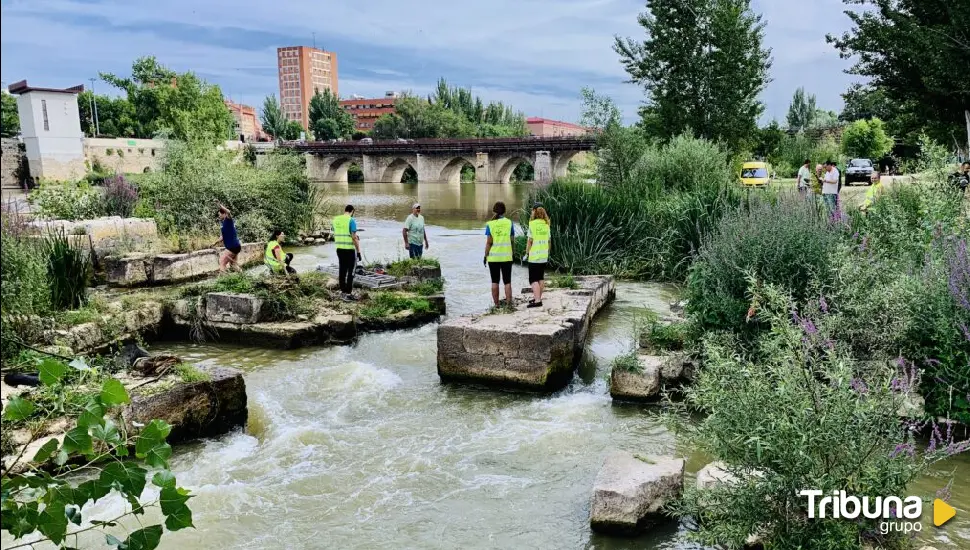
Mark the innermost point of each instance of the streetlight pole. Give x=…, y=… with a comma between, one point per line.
x=94, y=102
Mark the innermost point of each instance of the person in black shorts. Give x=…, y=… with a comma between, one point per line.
x=499, y=233
x=229, y=239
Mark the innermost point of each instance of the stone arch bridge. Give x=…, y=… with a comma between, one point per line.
x=441, y=160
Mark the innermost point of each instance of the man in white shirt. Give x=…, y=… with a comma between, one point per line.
x=831, y=185
x=804, y=179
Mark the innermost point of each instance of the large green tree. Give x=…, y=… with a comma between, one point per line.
x=801, y=111
x=916, y=52
x=116, y=116
x=272, y=118
x=328, y=120
x=182, y=105
x=703, y=66
x=10, y=123
x=866, y=139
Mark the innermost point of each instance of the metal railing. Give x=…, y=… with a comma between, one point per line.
x=476, y=145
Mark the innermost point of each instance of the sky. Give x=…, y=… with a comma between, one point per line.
x=534, y=55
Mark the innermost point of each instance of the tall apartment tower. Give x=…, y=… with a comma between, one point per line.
x=303, y=71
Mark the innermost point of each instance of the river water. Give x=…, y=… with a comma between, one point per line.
x=362, y=447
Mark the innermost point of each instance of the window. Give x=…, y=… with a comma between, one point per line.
x=43, y=107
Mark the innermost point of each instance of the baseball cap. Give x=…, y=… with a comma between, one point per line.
x=416, y=205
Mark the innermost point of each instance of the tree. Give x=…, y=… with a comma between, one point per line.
x=599, y=112
x=116, y=116
x=703, y=67
x=389, y=126
x=328, y=120
x=182, y=105
x=293, y=130
x=914, y=51
x=769, y=140
x=272, y=118
x=10, y=123
x=866, y=139
x=802, y=111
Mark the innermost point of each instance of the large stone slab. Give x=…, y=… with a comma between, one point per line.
x=534, y=349
x=108, y=235
x=227, y=307
x=96, y=337
x=638, y=386
x=139, y=269
x=194, y=409
x=630, y=492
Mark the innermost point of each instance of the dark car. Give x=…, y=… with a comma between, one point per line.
x=859, y=170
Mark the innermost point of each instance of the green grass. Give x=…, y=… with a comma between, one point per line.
x=402, y=268
x=502, y=308
x=627, y=362
x=190, y=373
x=91, y=312
x=661, y=336
x=384, y=304
x=563, y=281
x=429, y=287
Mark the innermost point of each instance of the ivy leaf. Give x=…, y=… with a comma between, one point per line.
x=108, y=432
x=73, y=514
x=47, y=450
x=93, y=415
x=114, y=393
x=151, y=445
x=144, y=539
x=78, y=440
x=177, y=514
x=18, y=409
x=125, y=476
x=52, y=522
x=80, y=364
x=51, y=371
x=164, y=479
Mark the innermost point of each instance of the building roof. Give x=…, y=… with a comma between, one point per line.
x=22, y=88
x=540, y=120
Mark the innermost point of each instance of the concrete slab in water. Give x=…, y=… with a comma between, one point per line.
x=534, y=349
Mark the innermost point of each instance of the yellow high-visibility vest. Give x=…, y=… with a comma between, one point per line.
x=539, y=231
x=501, y=232
x=341, y=232
x=270, y=260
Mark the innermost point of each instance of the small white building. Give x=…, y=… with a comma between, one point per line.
x=50, y=126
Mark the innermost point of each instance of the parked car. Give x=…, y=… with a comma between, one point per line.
x=859, y=170
x=755, y=174
x=366, y=141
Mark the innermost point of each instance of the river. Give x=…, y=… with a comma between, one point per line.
x=362, y=447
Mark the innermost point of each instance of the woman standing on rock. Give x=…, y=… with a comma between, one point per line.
x=537, y=252
x=499, y=233
x=229, y=239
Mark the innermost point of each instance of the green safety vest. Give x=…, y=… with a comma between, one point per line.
x=501, y=232
x=341, y=232
x=539, y=231
x=270, y=260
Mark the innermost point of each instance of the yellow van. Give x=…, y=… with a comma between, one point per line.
x=755, y=174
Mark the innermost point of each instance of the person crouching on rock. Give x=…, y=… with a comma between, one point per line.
x=278, y=262
x=537, y=252
x=230, y=240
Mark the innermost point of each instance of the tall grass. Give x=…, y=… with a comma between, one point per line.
x=68, y=272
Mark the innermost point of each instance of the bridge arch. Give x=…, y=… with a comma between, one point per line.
x=508, y=167
x=338, y=168
x=395, y=170
x=451, y=172
x=560, y=167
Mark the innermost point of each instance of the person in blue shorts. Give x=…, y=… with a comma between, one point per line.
x=230, y=240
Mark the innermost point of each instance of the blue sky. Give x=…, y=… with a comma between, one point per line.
x=535, y=55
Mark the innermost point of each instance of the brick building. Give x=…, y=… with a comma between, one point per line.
x=302, y=71
x=248, y=127
x=544, y=127
x=367, y=111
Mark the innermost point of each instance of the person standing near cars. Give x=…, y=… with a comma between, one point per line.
x=415, y=237
x=499, y=233
x=804, y=178
x=348, y=250
x=537, y=252
x=831, y=186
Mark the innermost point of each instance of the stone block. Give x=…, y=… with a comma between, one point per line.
x=630, y=492
x=238, y=309
x=196, y=409
x=130, y=270
x=714, y=474
x=637, y=386
x=251, y=254
x=148, y=316
x=174, y=268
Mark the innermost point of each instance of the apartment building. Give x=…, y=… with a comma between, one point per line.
x=544, y=127
x=366, y=111
x=248, y=127
x=302, y=71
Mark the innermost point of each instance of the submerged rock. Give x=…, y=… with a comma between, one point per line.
x=630, y=492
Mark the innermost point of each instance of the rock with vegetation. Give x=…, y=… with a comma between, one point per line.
x=108, y=235
x=631, y=491
x=636, y=378
x=527, y=348
x=139, y=269
x=238, y=309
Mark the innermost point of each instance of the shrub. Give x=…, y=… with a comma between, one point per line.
x=403, y=268
x=805, y=417
x=627, y=362
x=69, y=201
x=193, y=176
x=120, y=196
x=866, y=139
x=23, y=281
x=786, y=244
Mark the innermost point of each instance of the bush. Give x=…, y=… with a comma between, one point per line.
x=68, y=272
x=120, y=196
x=69, y=201
x=866, y=139
x=786, y=244
x=181, y=195
x=806, y=417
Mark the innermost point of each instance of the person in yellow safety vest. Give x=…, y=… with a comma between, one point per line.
x=874, y=190
x=537, y=252
x=348, y=250
x=274, y=258
x=499, y=233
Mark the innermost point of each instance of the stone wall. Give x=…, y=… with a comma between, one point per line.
x=161, y=269
x=12, y=156
x=128, y=156
x=109, y=235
